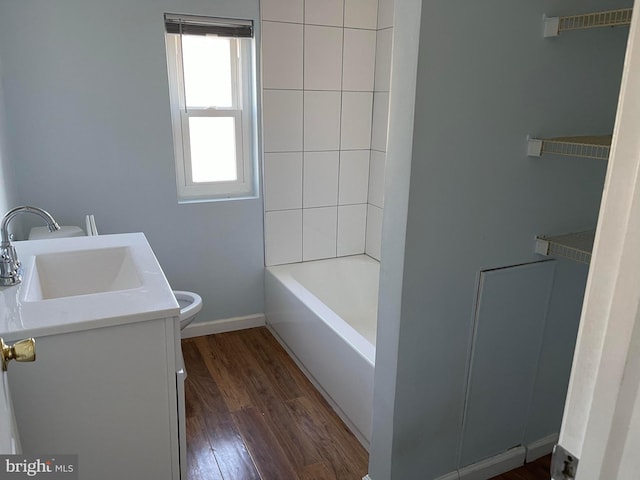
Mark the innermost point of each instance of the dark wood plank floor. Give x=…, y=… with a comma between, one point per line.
x=252, y=414
x=538, y=470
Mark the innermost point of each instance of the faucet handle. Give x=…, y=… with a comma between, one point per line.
x=10, y=266
x=22, y=351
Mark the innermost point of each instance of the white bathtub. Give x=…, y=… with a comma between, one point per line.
x=324, y=313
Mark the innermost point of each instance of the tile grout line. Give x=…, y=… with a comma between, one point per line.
x=304, y=32
x=371, y=149
x=344, y=7
x=373, y=100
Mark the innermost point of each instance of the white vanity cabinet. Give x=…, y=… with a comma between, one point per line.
x=106, y=394
x=104, y=382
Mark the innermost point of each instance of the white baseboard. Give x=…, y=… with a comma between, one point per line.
x=541, y=447
x=450, y=476
x=199, y=329
x=494, y=466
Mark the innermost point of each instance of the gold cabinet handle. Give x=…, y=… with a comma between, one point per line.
x=22, y=351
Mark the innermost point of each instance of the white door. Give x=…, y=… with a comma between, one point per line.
x=601, y=425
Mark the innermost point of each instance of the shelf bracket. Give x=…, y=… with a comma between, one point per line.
x=542, y=246
x=551, y=26
x=534, y=147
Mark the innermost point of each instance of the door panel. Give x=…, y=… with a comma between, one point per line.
x=509, y=326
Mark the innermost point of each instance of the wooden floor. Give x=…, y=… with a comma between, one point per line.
x=538, y=470
x=252, y=414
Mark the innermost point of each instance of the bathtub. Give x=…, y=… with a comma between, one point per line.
x=324, y=313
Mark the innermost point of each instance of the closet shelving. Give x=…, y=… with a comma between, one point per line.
x=584, y=147
x=554, y=26
x=575, y=246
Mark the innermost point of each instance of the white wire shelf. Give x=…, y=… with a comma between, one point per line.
x=584, y=147
x=574, y=246
x=554, y=26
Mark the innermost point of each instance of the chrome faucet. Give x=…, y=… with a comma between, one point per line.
x=10, y=266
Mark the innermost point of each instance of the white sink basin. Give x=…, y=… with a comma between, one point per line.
x=82, y=272
x=79, y=283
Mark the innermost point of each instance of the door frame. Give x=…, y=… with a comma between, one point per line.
x=601, y=424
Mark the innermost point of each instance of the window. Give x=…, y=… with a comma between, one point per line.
x=210, y=64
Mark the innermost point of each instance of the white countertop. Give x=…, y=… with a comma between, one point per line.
x=20, y=318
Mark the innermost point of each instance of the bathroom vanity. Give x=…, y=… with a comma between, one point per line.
x=103, y=385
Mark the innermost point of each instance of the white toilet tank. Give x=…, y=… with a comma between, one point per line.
x=42, y=233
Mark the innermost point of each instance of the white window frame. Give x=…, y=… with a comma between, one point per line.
x=243, y=111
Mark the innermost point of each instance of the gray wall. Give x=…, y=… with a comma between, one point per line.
x=486, y=78
x=7, y=190
x=554, y=365
x=87, y=97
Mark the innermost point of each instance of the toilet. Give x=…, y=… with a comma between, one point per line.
x=190, y=304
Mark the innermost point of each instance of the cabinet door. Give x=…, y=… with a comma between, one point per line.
x=509, y=326
x=107, y=395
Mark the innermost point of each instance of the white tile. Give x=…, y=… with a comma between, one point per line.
x=385, y=13
x=282, y=10
x=383, y=59
x=380, y=121
x=352, y=223
x=322, y=58
x=361, y=13
x=282, y=181
x=356, y=121
x=354, y=177
x=321, y=121
x=281, y=55
x=374, y=231
x=376, y=178
x=323, y=12
x=359, y=58
x=282, y=120
x=283, y=237
x=320, y=184
x=319, y=233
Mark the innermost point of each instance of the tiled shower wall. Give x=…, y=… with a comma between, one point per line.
x=321, y=73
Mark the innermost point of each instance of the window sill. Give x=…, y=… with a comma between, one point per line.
x=183, y=201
